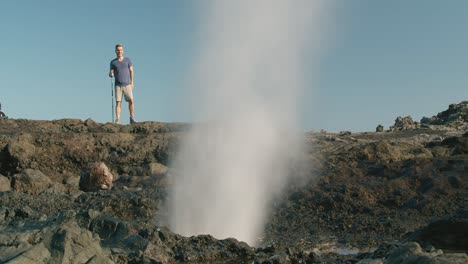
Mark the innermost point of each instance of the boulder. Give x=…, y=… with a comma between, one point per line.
x=30, y=181
x=412, y=252
x=61, y=241
x=5, y=184
x=428, y=120
x=72, y=183
x=450, y=234
x=404, y=123
x=36, y=254
x=20, y=151
x=89, y=122
x=379, y=128
x=73, y=244
x=157, y=254
x=157, y=169
x=459, y=144
x=96, y=176
x=455, y=114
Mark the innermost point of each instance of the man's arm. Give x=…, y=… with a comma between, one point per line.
x=111, y=71
x=131, y=75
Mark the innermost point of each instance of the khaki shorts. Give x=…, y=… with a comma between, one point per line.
x=127, y=91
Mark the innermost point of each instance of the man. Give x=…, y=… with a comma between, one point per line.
x=2, y=115
x=122, y=68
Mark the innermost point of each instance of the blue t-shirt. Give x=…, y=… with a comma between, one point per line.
x=121, y=71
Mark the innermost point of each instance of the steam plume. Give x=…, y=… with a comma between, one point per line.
x=248, y=84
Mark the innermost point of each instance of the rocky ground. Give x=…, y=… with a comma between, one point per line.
x=396, y=196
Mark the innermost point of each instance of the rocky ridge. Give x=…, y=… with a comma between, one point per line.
x=455, y=117
x=386, y=197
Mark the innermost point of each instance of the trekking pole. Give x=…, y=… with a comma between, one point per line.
x=112, y=92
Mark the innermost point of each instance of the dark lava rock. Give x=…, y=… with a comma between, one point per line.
x=448, y=234
x=30, y=181
x=404, y=123
x=458, y=144
x=411, y=252
x=379, y=128
x=357, y=192
x=456, y=115
x=96, y=176
x=5, y=184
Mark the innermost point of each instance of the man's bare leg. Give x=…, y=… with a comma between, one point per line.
x=117, y=110
x=131, y=109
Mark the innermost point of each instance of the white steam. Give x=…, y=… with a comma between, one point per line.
x=247, y=86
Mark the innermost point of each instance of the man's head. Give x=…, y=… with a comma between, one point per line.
x=119, y=50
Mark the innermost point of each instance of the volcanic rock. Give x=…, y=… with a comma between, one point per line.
x=450, y=233
x=5, y=184
x=19, y=152
x=404, y=123
x=456, y=116
x=379, y=128
x=351, y=193
x=411, y=252
x=157, y=169
x=61, y=242
x=30, y=181
x=459, y=145
x=96, y=176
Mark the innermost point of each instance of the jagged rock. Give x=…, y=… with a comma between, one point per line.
x=24, y=212
x=72, y=183
x=157, y=169
x=276, y=259
x=5, y=184
x=445, y=234
x=345, y=133
x=381, y=150
x=36, y=254
x=64, y=242
x=455, y=115
x=89, y=122
x=156, y=254
x=459, y=144
x=20, y=151
x=428, y=120
x=205, y=248
x=30, y=181
x=69, y=242
x=12, y=244
x=412, y=252
x=96, y=176
x=440, y=151
x=379, y=128
x=404, y=123
x=363, y=190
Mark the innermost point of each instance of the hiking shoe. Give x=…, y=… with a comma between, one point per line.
x=117, y=121
x=132, y=120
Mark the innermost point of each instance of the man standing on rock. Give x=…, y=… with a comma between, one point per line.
x=122, y=68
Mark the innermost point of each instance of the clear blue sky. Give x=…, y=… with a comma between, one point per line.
x=383, y=59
